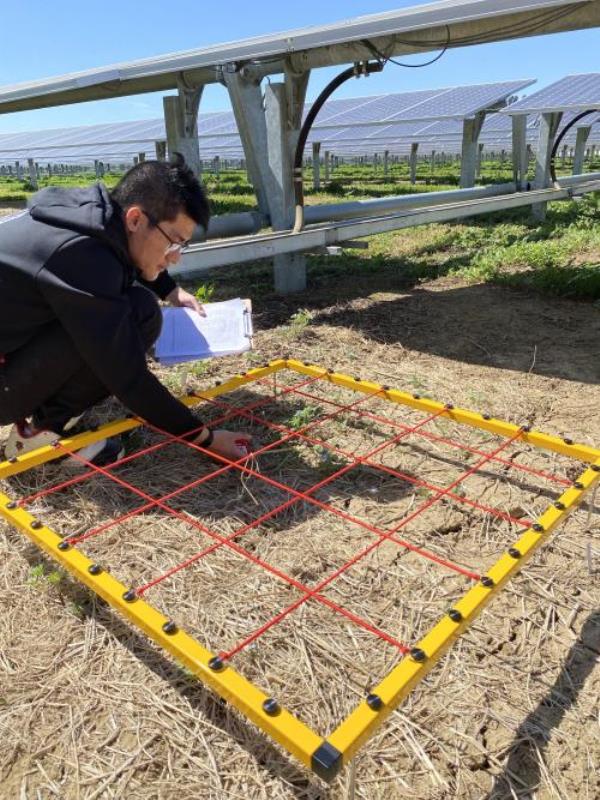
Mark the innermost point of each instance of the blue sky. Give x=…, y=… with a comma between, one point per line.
x=41, y=39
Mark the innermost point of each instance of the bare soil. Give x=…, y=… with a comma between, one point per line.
x=90, y=709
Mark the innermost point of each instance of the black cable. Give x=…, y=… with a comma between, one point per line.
x=387, y=59
x=559, y=139
x=524, y=26
x=516, y=29
x=351, y=72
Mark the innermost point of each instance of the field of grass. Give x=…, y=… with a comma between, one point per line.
x=560, y=256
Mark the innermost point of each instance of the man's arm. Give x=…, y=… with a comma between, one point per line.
x=83, y=283
x=165, y=287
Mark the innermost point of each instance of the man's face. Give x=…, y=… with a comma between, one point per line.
x=149, y=245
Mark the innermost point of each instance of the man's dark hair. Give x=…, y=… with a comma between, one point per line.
x=163, y=189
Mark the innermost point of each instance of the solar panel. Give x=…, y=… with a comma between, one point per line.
x=573, y=92
x=454, y=102
x=218, y=134
x=466, y=101
x=376, y=109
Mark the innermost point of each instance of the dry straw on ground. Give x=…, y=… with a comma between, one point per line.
x=90, y=709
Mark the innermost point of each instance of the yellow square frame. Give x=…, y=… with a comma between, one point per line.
x=325, y=756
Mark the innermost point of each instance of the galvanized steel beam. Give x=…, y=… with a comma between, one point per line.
x=234, y=251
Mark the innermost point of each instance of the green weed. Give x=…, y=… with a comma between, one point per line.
x=559, y=256
x=204, y=292
x=198, y=368
x=40, y=578
x=298, y=322
x=303, y=417
x=76, y=609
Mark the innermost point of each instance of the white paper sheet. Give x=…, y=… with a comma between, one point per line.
x=186, y=336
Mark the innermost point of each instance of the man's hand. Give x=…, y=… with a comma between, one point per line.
x=179, y=297
x=229, y=444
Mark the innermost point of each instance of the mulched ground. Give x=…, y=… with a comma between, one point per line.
x=90, y=709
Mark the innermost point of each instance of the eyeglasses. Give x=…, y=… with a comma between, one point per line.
x=173, y=246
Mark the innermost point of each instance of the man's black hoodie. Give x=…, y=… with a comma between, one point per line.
x=66, y=259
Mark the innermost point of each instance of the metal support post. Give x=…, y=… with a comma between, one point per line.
x=32, y=173
x=580, y=142
x=520, y=155
x=386, y=164
x=141, y=157
x=181, y=124
x=284, y=105
x=468, y=162
x=480, y=147
x=316, y=165
x=326, y=165
x=247, y=103
x=160, y=150
x=414, y=148
x=549, y=123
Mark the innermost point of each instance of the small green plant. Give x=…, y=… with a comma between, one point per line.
x=76, y=609
x=303, y=417
x=36, y=574
x=172, y=381
x=416, y=382
x=54, y=578
x=299, y=321
x=39, y=578
x=204, y=292
x=199, y=368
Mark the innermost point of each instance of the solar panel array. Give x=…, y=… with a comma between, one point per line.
x=458, y=102
x=571, y=93
x=347, y=126
x=408, y=113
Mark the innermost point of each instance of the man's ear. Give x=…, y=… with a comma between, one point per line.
x=134, y=217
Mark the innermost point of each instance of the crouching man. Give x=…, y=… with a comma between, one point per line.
x=80, y=272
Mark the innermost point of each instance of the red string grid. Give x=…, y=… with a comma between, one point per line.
x=227, y=537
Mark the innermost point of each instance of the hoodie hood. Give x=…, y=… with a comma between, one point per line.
x=88, y=211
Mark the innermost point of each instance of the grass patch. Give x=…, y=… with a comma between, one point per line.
x=560, y=256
